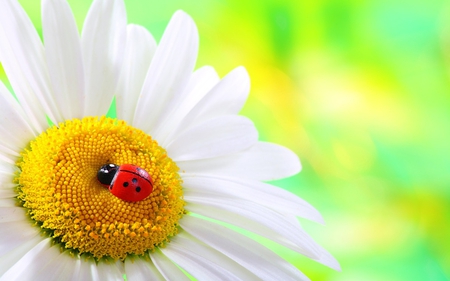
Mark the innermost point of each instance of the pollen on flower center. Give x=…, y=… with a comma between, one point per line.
x=58, y=185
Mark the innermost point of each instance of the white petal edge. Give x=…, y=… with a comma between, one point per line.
x=139, y=52
x=261, y=193
x=7, y=193
x=200, y=82
x=226, y=98
x=15, y=129
x=198, y=252
x=75, y=265
x=7, y=169
x=7, y=158
x=15, y=233
x=24, y=61
x=8, y=153
x=169, y=72
x=7, y=181
x=72, y=268
x=45, y=262
x=285, y=230
x=63, y=57
x=166, y=267
x=215, y=137
x=16, y=251
x=110, y=271
x=7, y=203
x=87, y=271
x=327, y=259
x=32, y=262
x=8, y=214
x=103, y=44
x=199, y=267
x=142, y=270
x=250, y=254
x=263, y=161
x=58, y=268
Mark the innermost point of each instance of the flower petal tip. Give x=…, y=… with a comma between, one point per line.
x=183, y=18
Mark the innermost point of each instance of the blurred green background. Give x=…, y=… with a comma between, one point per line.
x=360, y=90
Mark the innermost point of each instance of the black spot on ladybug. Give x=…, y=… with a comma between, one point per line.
x=138, y=189
x=134, y=180
x=110, y=187
x=125, y=184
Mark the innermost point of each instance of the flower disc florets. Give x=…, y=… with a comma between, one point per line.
x=57, y=184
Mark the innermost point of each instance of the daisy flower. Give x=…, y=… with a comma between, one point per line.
x=207, y=170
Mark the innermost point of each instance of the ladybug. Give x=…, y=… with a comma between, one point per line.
x=127, y=182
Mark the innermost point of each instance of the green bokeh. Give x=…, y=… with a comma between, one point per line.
x=360, y=91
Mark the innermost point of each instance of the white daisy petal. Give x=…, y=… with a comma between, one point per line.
x=255, y=257
x=166, y=267
x=215, y=137
x=12, y=213
x=33, y=261
x=7, y=169
x=24, y=62
x=7, y=185
x=253, y=217
x=63, y=57
x=109, y=271
x=7, y=175
x=261, y=193
x=139, y=52
x=169, y=71
x=103, y=44
x=45, y=262
x=6, y=157
x=200, y=253
x=64, y=267
x=263, y=161
x=88, y=271
x=14, y=233
x=6, y=202
x=7, y=193
x=141, y=270
x=54, y=269
x=16, y=250
x=229, y=96
x=76, y=264
x=6, y=182
x=200, y=267
x=201, y=81
x=226, y=98
x=14, y=128
x=327, y=259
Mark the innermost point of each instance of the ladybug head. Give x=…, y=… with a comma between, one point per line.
x=106, y=173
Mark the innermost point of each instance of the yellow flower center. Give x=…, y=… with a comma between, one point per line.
x=58, y=185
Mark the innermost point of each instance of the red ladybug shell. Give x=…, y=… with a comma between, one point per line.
x=131, y=183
